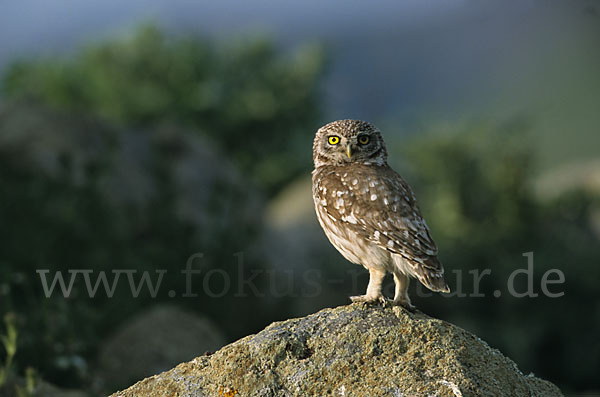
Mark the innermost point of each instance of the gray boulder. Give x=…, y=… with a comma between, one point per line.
x=354, y=350
x=154, y=341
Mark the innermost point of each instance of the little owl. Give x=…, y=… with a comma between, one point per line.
x=369, y=213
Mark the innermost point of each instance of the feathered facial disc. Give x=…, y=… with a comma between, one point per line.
x=348, y=141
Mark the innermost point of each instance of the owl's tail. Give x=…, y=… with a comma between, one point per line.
x=431, y=274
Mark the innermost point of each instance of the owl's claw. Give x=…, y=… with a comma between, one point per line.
x=405, y=304
x=370, y=299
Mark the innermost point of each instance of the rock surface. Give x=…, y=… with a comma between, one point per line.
x=354, y=350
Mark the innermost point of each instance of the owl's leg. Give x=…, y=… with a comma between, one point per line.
x=401, y=297
x=373, y=289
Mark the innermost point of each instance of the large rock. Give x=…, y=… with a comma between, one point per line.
x=354, y=350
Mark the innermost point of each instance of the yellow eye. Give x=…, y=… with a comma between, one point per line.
x=363, y=139
x=333, y=140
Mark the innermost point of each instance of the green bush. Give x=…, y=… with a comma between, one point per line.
x=258, y=105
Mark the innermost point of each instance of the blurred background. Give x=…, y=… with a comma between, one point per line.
x=136, y=134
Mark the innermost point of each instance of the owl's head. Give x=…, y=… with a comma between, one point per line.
x=348, y=141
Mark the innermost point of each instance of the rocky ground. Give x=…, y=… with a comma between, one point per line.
x=354, y=350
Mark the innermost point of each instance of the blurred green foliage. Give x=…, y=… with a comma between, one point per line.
x=9, y=382
x=63, y=126
x=9, y=343
x=256, y=104
x=69, y=218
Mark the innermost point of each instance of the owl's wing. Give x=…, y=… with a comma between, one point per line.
x=381, y=207
x=396, y=224
x=405, y=233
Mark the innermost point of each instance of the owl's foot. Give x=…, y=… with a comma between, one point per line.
x=369, y=299
x=405, y=303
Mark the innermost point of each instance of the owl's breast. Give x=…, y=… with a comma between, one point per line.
x=338, y=210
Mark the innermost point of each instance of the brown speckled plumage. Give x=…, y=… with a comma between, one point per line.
x=369, y=213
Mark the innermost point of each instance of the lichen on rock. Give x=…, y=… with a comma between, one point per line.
x=354, y=350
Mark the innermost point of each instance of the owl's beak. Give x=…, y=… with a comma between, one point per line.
x=348, y=151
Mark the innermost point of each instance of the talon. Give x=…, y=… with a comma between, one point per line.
x=405, y=304
x=369, y=299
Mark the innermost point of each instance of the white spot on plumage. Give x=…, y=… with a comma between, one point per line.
x=385, y=201
x=390, y=243
x=355, y=181
x=339, y=193
x=373, y=197
x=376, y=235
x=350, y=218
